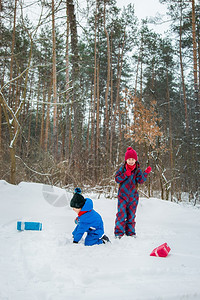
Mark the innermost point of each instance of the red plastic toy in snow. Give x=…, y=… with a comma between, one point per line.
x=161, y=251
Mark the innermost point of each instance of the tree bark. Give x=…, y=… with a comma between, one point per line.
x=78, y=116
x=196, y=156
x=68, y=115
x=42, y=121
x=46, y=137
x=54, y=82
x=0, y=133
x=106, y=121
x=119, y=71
x=170, y=136
x=196, y=85
x=182, y=72
x=37, y=109
x=92, y=144
x=12, y=54
x=97, y=118
x=111, y=106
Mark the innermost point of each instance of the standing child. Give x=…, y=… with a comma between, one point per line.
x=88, y=221
x=128, y=176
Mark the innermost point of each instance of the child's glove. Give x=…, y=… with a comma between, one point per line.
x=76, y=220
x=148, y=170
x=128, y=172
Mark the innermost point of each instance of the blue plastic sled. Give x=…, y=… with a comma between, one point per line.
x=29, y=226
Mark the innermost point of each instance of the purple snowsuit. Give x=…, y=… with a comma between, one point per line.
x=127, y=200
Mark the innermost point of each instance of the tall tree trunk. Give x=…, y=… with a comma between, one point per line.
x=78, y=117
x=42, y=121
x=182, y=72
x=106, y=121
x=12, y=54
x=46, y=137
x=54, y=82
x=14, y=132
x=196, y=85
x=137, y=70
x=111, y=106
x=198, y=43
x=12, y=165
x=97, y=119
x=92, y=144
x=1, y=84
x=141, y=79
x=29, y=136
x=0, y=133
x=197, y=97
x=170, y=136
x=97, y=129
x=119, y=72
x=37, y=109
x=63, y=141
x=68, y=115
x=87, y=144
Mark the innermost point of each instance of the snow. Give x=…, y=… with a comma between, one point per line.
x=46, y=264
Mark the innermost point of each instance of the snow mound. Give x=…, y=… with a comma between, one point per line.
x=47, y=265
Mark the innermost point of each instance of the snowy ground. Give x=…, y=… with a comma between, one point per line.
x=45, y=265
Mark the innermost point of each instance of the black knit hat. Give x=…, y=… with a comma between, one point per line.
x=77, y=200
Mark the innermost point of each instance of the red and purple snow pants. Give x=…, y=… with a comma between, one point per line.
x=125, y=217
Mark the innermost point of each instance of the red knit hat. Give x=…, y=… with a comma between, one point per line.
x=130, y=153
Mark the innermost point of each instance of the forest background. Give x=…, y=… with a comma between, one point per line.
x=81, y=84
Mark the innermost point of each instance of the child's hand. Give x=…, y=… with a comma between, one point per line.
x=128, y=172
x=76, y=220
x=148, y=170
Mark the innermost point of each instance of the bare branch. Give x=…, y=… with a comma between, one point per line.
x=19, y=76
x=32, y=169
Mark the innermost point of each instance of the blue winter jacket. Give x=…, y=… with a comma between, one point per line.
x=91, y=223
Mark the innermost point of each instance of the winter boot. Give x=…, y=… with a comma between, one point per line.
x=118, y=237
x=105, y=239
